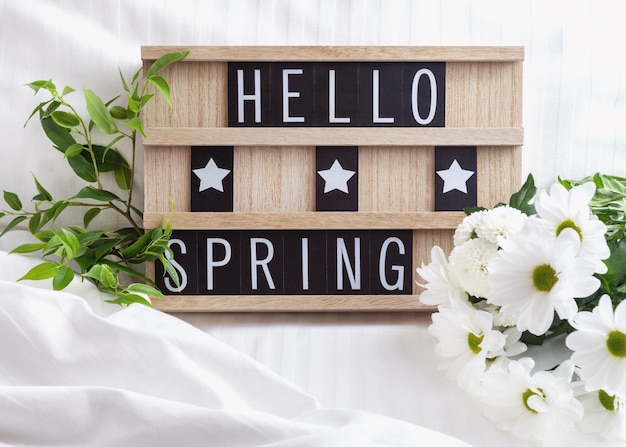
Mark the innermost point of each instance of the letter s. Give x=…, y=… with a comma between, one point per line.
x=181, y=271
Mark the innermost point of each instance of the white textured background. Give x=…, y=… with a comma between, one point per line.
x=574, y=120
x=574, y=73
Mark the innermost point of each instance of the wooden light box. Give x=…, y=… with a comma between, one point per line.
x=319, y=178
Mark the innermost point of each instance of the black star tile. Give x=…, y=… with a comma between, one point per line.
x=455, y=178
x=337, y=178
x=212, y=178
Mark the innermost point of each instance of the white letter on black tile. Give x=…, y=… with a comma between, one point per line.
x=376, y=118
x=210, y=262
x=342, y=257
x=332, y=96
x=256, y=96
x=182, y=274
x=254, y=262
x=287, y=94
x=396, y=268
x=433, y=96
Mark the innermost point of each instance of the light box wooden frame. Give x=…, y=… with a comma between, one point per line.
x=483, y=109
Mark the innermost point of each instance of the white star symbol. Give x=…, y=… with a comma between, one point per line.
x=211, y=176
x=336, y=177
x=455, y=177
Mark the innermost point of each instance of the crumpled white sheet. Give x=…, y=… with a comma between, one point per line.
x=76, y=372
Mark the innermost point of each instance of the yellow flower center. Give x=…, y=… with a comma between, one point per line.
x=569, y=223
x=616, y=343
x=607, y=401
x=474, y=341
x=529, y=395
x=544, y=277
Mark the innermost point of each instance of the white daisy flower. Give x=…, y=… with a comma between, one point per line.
x=441, y=288
x=499, y=319
x=468, y=264
x=605, y=414
x=466, y=339
x=467, y=228
x=500, y=223
x=535, y=275
x=530, y=406
x=562, y=209
x=599, y=345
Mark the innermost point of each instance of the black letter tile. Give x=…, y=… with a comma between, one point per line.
x=185, y=261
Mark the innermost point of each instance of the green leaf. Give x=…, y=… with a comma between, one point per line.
x=108, y=159
x=62, y=278
x=67, y=90
x=38, y=85
x=41, y=271
x=119, y=113
x=128, y=299
x=60, y=136
x=34, y=224
x=65, y=119
x=13, y=224
x=135, y=124
x=137, y=246
x=123, y=177
x=27, y=248
x=52, y=106
x=74, y=150
x=123, y=80
x=162, y=86
x=104, y=275
x=521, y=200
x=99, y=113
x=144, y=289
x=90, y=215
x=13, y=200
x=164, y=61
x=43, y=194
x=83, y=168
x=101, y=195
x=69, y=241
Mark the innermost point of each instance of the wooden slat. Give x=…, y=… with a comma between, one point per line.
x=306, y=221
x=343, y=53
x=289, y=303
x=356, y=136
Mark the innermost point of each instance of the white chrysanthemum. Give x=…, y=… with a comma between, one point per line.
x=535, y=275
x=466, y=339
x=599, y=345
x=441, y=288
x=605, y=414
x=468, y=264
x=562, y=209
x=499, y=319
x=500, y=223
x=530, y=406
x=467, y=228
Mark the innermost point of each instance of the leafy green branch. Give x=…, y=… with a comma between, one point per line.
x=106, y=257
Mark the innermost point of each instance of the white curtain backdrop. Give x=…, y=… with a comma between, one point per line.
x=574, y=71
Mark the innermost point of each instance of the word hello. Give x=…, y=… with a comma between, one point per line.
x=407, y=94
x=290, y=262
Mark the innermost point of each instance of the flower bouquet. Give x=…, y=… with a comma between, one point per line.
x=530, y=315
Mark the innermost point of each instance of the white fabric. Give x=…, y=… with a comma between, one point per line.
x=139, y=377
